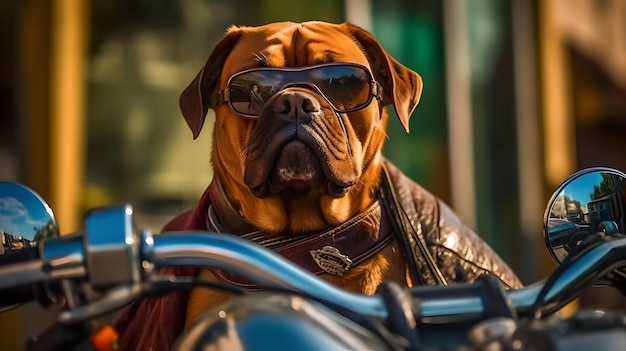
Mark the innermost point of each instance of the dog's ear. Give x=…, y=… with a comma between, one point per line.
x=201, y=93
x=402, y=87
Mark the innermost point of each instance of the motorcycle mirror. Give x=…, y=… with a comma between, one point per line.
x=589, y=202
x=25, y=217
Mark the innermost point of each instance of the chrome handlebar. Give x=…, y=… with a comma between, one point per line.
x=112, y=255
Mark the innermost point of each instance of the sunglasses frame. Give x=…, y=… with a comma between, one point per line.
x=376, y=90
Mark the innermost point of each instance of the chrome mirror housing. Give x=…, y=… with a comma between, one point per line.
x=589, y=202
x=25, y=217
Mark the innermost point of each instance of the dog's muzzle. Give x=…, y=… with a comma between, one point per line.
x=300, y=143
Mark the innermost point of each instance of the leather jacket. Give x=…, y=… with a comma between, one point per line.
x=459, y=253
x=442, y=248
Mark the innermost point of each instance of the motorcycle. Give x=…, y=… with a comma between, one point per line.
x=113, y=263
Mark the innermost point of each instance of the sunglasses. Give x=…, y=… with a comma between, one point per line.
x=347, y=87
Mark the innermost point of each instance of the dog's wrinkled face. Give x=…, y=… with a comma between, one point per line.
x=297, y=157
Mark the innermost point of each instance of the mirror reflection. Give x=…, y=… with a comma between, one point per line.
x=591, y=201
x=24, y=217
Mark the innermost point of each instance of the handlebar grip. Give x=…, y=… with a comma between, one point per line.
x=23, y=293
x=488, y=288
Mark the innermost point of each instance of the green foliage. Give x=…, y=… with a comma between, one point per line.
x=606, y=187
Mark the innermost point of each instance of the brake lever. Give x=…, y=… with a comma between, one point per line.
x=114, y=299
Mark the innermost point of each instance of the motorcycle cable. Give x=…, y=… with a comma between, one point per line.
x=170, y=284
x=393, y=341
x=77, y=336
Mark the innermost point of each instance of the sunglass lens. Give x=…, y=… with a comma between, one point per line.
x=346, y=87
x=249, y=91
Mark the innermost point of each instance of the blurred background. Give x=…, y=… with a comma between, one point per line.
x=518, y=94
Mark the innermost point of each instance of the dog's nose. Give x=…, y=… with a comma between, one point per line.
x=296, y=103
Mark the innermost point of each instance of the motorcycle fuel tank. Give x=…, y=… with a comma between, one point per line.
x=264, y=321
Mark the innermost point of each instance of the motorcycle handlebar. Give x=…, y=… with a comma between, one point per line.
x=82, y=257
x=23, y=292
x=24, y=273
x=454, y=302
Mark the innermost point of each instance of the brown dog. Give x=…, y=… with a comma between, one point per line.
x=299, y=128
x=299, y=167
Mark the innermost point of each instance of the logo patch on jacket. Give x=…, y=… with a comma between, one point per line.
x=331, y=260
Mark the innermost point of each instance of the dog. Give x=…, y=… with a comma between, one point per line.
x=299, y=167
x=300, y=123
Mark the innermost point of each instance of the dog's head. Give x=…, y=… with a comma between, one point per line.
x=300, y=122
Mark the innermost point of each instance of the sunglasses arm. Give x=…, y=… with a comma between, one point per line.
x=377, y=90
x=223, y=96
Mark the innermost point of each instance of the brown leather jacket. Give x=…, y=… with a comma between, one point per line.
x=443, y=248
